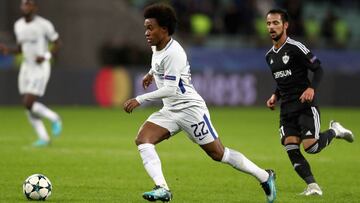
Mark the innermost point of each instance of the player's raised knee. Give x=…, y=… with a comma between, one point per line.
x=313, y=149
x=28, y=103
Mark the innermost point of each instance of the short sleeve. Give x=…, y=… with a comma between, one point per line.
x=16, y=31
x=312, y=61
x=50, y=32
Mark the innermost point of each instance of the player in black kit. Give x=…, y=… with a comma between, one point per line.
x=289, y=61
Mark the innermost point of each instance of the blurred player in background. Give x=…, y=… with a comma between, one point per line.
x=33, y=34
x=184, y=109
x=289, y=61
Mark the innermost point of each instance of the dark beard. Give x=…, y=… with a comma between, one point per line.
x=278, y=37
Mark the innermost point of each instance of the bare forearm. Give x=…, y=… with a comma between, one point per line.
x=56, y=46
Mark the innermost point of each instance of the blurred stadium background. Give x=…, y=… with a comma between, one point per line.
x=104, y=54
x=101, y=63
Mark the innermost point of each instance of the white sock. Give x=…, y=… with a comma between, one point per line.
x=44, y=112
x=38, y=125
x=241, y=163
x=152, y=164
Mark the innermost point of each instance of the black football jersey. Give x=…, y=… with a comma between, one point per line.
x=289, y=65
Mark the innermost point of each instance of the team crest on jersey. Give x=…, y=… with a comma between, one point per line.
x=158, y=67
x=285, y=58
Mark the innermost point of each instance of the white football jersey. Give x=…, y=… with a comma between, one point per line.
x=34, y=37
x=170, y=67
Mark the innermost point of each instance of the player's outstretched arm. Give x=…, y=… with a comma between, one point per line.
x=271, y=102
x=56, y=46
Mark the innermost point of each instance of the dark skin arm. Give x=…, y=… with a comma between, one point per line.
x=131, y=104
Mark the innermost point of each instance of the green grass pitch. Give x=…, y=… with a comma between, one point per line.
x=96, y=160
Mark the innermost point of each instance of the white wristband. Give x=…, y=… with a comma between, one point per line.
x=47, y=56
x=139, y=99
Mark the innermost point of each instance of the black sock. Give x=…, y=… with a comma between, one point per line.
x=325, y=138
x=299, y=163
x=323, y=141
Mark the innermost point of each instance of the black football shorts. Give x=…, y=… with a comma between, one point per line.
x=304, y=124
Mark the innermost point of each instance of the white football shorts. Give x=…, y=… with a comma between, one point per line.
x=195, y=121
x=33, y=78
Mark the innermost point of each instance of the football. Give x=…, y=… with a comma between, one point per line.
x=37, y=187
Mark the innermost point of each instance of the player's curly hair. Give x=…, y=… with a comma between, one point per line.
x=164, y=15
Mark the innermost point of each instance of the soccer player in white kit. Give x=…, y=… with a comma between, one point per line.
x=184, y=109
x=33, y=33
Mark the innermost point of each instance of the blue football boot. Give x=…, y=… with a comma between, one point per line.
x=269, y=187
x=158, y=193
x=40, y=143
x=56, y=128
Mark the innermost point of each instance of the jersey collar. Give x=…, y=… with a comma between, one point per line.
x=277, y=50
x=166, y=47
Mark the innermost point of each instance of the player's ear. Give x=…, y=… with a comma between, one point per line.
x=286, y=25
x=165, y=29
